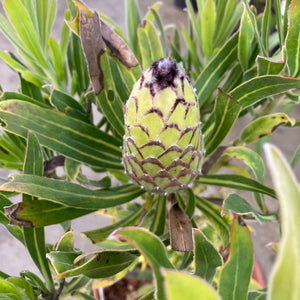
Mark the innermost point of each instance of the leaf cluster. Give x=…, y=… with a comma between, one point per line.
x=242, y=65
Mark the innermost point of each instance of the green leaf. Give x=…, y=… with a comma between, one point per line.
x=66, y=135
x=227, y=19
x=23, y=25
x=8, y=289
x=263, y=126
x=212, y=74
x=133, y=20
x=269, y=66
x=222, y=224
x=101, y=234
x=57, y=60
x=193, y=21
x=208, y=17
x=255, y=162
x=279, y=23
x=296, y=157
x=71, y=194
x=181, y=285
x=253, y=90
x=45, y=13
x=236, y=182
x=40, y=213
x=236, y=273
x=62, y=261
x=159, y=220
x=72, y=168
x=102, y=265
x=286, y=273
x=207, y=257
x=149, y=43
x=24, y=97
x=292, y=42
x=35, y=281
x=66, y=242
x=152, y=248
x=248, y=156
x=192, y=48
x=235, y=203
x=226, y=112
x=80, y=295
x=78, y=65
x=35, y=237
x=246, y=35
x=266, y=24
x=257, y=295
x=23, y=286
x=11, y=152
x=253, y=19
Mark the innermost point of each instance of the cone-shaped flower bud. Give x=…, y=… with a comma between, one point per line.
x=163, y=145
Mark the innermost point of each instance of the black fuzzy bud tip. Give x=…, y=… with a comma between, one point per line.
x=163, y=72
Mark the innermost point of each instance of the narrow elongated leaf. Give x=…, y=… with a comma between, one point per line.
x=35, y=237
x=45, y=13
x=208, y=17
x=253, y=19
x=292, y=42
x=266, y=23
x=66, y=135
x=213, y=213
x=229, y=17
x=212, y=74
x=253, y=90
x=257, y=295
x=180, y=285
x=57, y=60
x=255, y=162
x=296, y=157
x=191, y=44
x=246, y=35
x=263, y=126
x=269, y=66
x=66, y=242
x=235, y=203
x=226, y=113
x=279, y=23
x=251, y=158
x=152, y=248
x=193, y=20
x=24, y=27
x=286, y=273
x=207, y=257
x=103, y=264
x=63, y=101
x=40, y=213
x=159, y=220
x=236, y=182
x=236, y=273
x=133, y=20
x=70, y=194
x=150, y=45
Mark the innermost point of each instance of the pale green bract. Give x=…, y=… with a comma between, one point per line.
x=163, y=145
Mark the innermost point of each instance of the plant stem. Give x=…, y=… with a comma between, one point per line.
x=57, y=293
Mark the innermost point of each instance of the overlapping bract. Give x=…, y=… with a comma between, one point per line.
x=163, y=145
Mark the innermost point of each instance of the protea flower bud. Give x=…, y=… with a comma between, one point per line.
x=163, y=145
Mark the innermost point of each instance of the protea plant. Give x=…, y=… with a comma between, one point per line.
x=163, y=144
